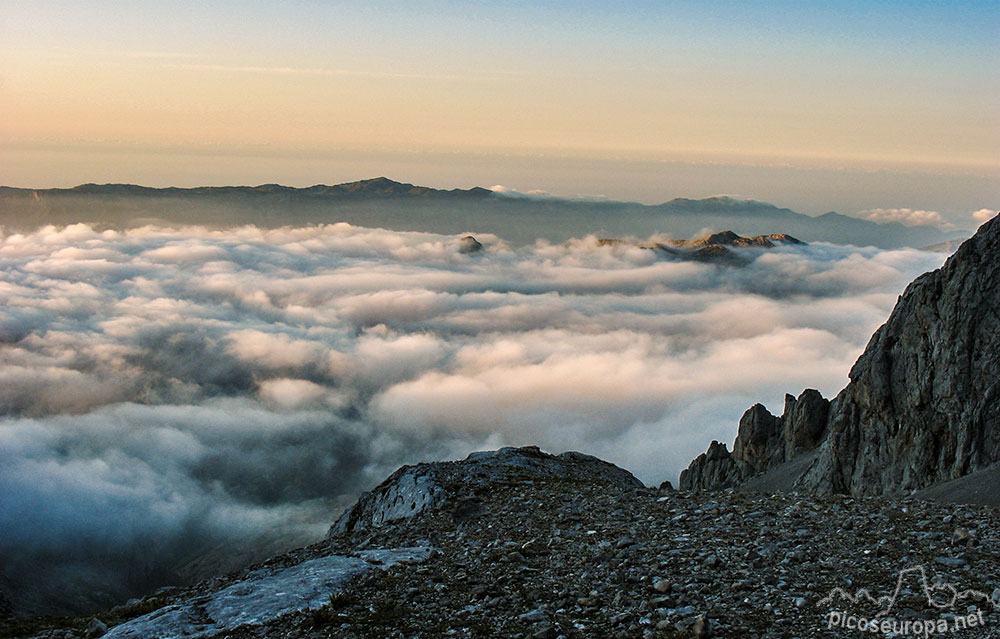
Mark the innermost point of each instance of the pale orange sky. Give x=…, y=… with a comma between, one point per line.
x=897, y=87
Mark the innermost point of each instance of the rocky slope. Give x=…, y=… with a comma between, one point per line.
x=921, y=407
x=413, y=489
x=518, y=543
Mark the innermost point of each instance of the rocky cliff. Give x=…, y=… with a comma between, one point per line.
x=920, y=409
x=763, y=441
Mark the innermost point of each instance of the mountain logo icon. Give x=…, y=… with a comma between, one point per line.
x=939, y=595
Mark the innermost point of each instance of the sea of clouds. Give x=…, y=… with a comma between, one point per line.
x=168, y=390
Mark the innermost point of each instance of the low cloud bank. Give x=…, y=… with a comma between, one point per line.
x=169, y=391
x=983, y=216
x=909, y=217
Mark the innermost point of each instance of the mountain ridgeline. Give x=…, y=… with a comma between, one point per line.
x=384, y=203
x=921, y=410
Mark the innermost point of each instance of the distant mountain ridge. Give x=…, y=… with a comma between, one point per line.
x=374, y=187
x=385, y=203
x=718, y=203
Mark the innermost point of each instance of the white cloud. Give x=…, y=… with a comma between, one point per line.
x=983, y=215
x=909, y=217
x=537, y=194
x=290, y=394
x=273, y=350
x=181, y=382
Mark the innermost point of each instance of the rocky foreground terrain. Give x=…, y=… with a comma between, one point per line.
x=518, y=543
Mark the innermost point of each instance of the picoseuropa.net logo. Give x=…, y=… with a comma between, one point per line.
x=956, y=610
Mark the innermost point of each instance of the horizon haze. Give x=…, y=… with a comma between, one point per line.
x=850, y=106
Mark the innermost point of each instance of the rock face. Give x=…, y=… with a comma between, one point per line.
x=412, y=490
x=764, y=441
x=262, y=595
x=921, y=407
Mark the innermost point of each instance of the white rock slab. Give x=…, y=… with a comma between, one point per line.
x=265, y=594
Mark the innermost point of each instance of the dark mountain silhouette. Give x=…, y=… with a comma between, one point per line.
x=381, y=202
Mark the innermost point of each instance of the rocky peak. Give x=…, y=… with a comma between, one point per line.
x=716, y=247
x=469, y=244
x=756, y=445
x=726, y=238
x=411, y=490
x=730, y=239
x=921, y=407
x=712, y=470
x=763, y=442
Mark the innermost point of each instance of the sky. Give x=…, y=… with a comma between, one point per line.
x=851, y=106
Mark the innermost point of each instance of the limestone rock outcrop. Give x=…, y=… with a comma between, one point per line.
x=412, y=490
x=763, y=441
x=713, y=469
x=805, y=422
x=921, y=407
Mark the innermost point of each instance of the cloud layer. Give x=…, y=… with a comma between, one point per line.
x=983, y=215
x=909, y=217
x=173, y=389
